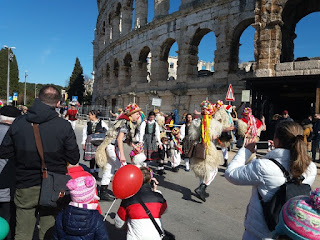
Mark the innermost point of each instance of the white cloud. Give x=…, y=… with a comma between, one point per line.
x=45, y=54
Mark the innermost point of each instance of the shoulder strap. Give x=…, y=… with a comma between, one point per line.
x=161, y=233
x=40, y=149
x=285, y=172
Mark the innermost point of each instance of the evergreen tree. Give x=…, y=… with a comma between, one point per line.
x=14, y=74
x=76, y=83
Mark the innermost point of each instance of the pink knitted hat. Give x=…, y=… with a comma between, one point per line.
x=83, y=189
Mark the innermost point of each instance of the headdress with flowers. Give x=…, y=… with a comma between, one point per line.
x=252, y=124
x=219, y=104
x=131, y=109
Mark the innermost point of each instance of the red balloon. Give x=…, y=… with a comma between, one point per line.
x=127, y=181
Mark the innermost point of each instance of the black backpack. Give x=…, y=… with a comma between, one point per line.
x=291, y=188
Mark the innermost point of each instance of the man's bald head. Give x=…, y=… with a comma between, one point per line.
x=49, y=95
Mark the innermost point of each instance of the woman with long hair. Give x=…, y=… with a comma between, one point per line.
x=266, y=177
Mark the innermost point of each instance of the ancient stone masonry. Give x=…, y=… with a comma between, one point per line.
x=131, y=54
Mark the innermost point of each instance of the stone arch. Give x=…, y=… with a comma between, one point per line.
x=144, y=65
x=293, y=12
x=102, y=35
x=235, y=43
x=194, y=48
x=164, y=66
x=110, y=37
x=127, y=63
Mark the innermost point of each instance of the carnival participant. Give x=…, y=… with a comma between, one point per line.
x=94, y=125
x=186, y=140
x=176, y=149
x=249, y=127
x=117, y=114
x=72, y=115
x=150, y=137
x=266, y=177
x=223, y=115
x=205, y=130
x=164, y=155
x=110, y=154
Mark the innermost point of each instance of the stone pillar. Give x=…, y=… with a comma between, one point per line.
x=115, y=27
x=267, y=37
x=141, y=13
x=126, y=20
x=187, y=63
x=161, y=8
x=124, y=78
x=107, y=37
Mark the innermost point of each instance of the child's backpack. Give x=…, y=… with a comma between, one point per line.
x=291, y=188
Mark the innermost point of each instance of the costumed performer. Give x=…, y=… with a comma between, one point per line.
x=110, y=154
x=186, y=140
x=205, y=130
x=150, y=137
x=249, y=127
x=223, y=115
x=176, y=149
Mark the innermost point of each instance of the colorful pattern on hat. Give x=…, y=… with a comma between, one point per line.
x=247, y=111
x=207, y=108
x=301, y=217
x=175, y=130
x=219, y=104
x=82, y=189
x=131, y=109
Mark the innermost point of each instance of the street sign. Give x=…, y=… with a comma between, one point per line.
x=10, y=98
x=156, y=102
x=230, y=95
x=74, y=98
x=15, y=96
x=245, y=96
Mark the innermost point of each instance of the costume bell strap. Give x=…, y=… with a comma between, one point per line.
x=205, y=130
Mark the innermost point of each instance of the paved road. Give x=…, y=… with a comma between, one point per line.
x=220, y=217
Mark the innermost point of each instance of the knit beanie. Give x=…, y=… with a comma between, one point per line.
x=300, y=217
x=83, y=189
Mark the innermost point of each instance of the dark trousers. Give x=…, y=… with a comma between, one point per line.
x=315, y=147
x=27, y=211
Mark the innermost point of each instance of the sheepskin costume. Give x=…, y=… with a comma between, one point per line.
x=101, y=154
x=224, y=117
x=201, y=167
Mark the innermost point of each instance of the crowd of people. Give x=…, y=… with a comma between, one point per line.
x=202, y=140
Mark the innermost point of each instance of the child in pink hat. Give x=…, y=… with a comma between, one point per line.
x=81, y=219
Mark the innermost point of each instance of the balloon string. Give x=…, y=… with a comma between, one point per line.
x=121, y=162
x=105, y=216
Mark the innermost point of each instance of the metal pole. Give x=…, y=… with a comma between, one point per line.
x=25, y=87
x=8, y=76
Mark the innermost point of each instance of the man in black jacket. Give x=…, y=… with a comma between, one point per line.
x=59, y=146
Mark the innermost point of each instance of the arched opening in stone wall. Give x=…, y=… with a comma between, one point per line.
x=133, y=13
x=102, y=36
x=202, y=48
x=144, y=65
x=118, y=17
x=168, y=62
x=127, y=69
x=110, y=27
x=108, y=74
x=150, y=10
x=242, y=48
x=174, y=6
x=116, y=68
x=293, y=12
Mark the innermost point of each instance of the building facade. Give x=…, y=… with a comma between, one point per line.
x=123, y=47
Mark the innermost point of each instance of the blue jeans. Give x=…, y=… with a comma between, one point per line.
x=315, y=147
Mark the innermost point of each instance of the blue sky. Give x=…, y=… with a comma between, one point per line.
x=50, y=34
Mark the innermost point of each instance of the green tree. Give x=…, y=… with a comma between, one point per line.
x=14, y=73
x=76, y=83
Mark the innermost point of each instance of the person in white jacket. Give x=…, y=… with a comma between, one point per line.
x=266, y=177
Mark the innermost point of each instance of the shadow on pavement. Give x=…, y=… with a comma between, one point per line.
x=113, y=232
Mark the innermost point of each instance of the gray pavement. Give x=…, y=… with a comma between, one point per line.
x=187, y=217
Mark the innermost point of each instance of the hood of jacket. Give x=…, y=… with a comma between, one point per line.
x=78, y=221
x=40, y=112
